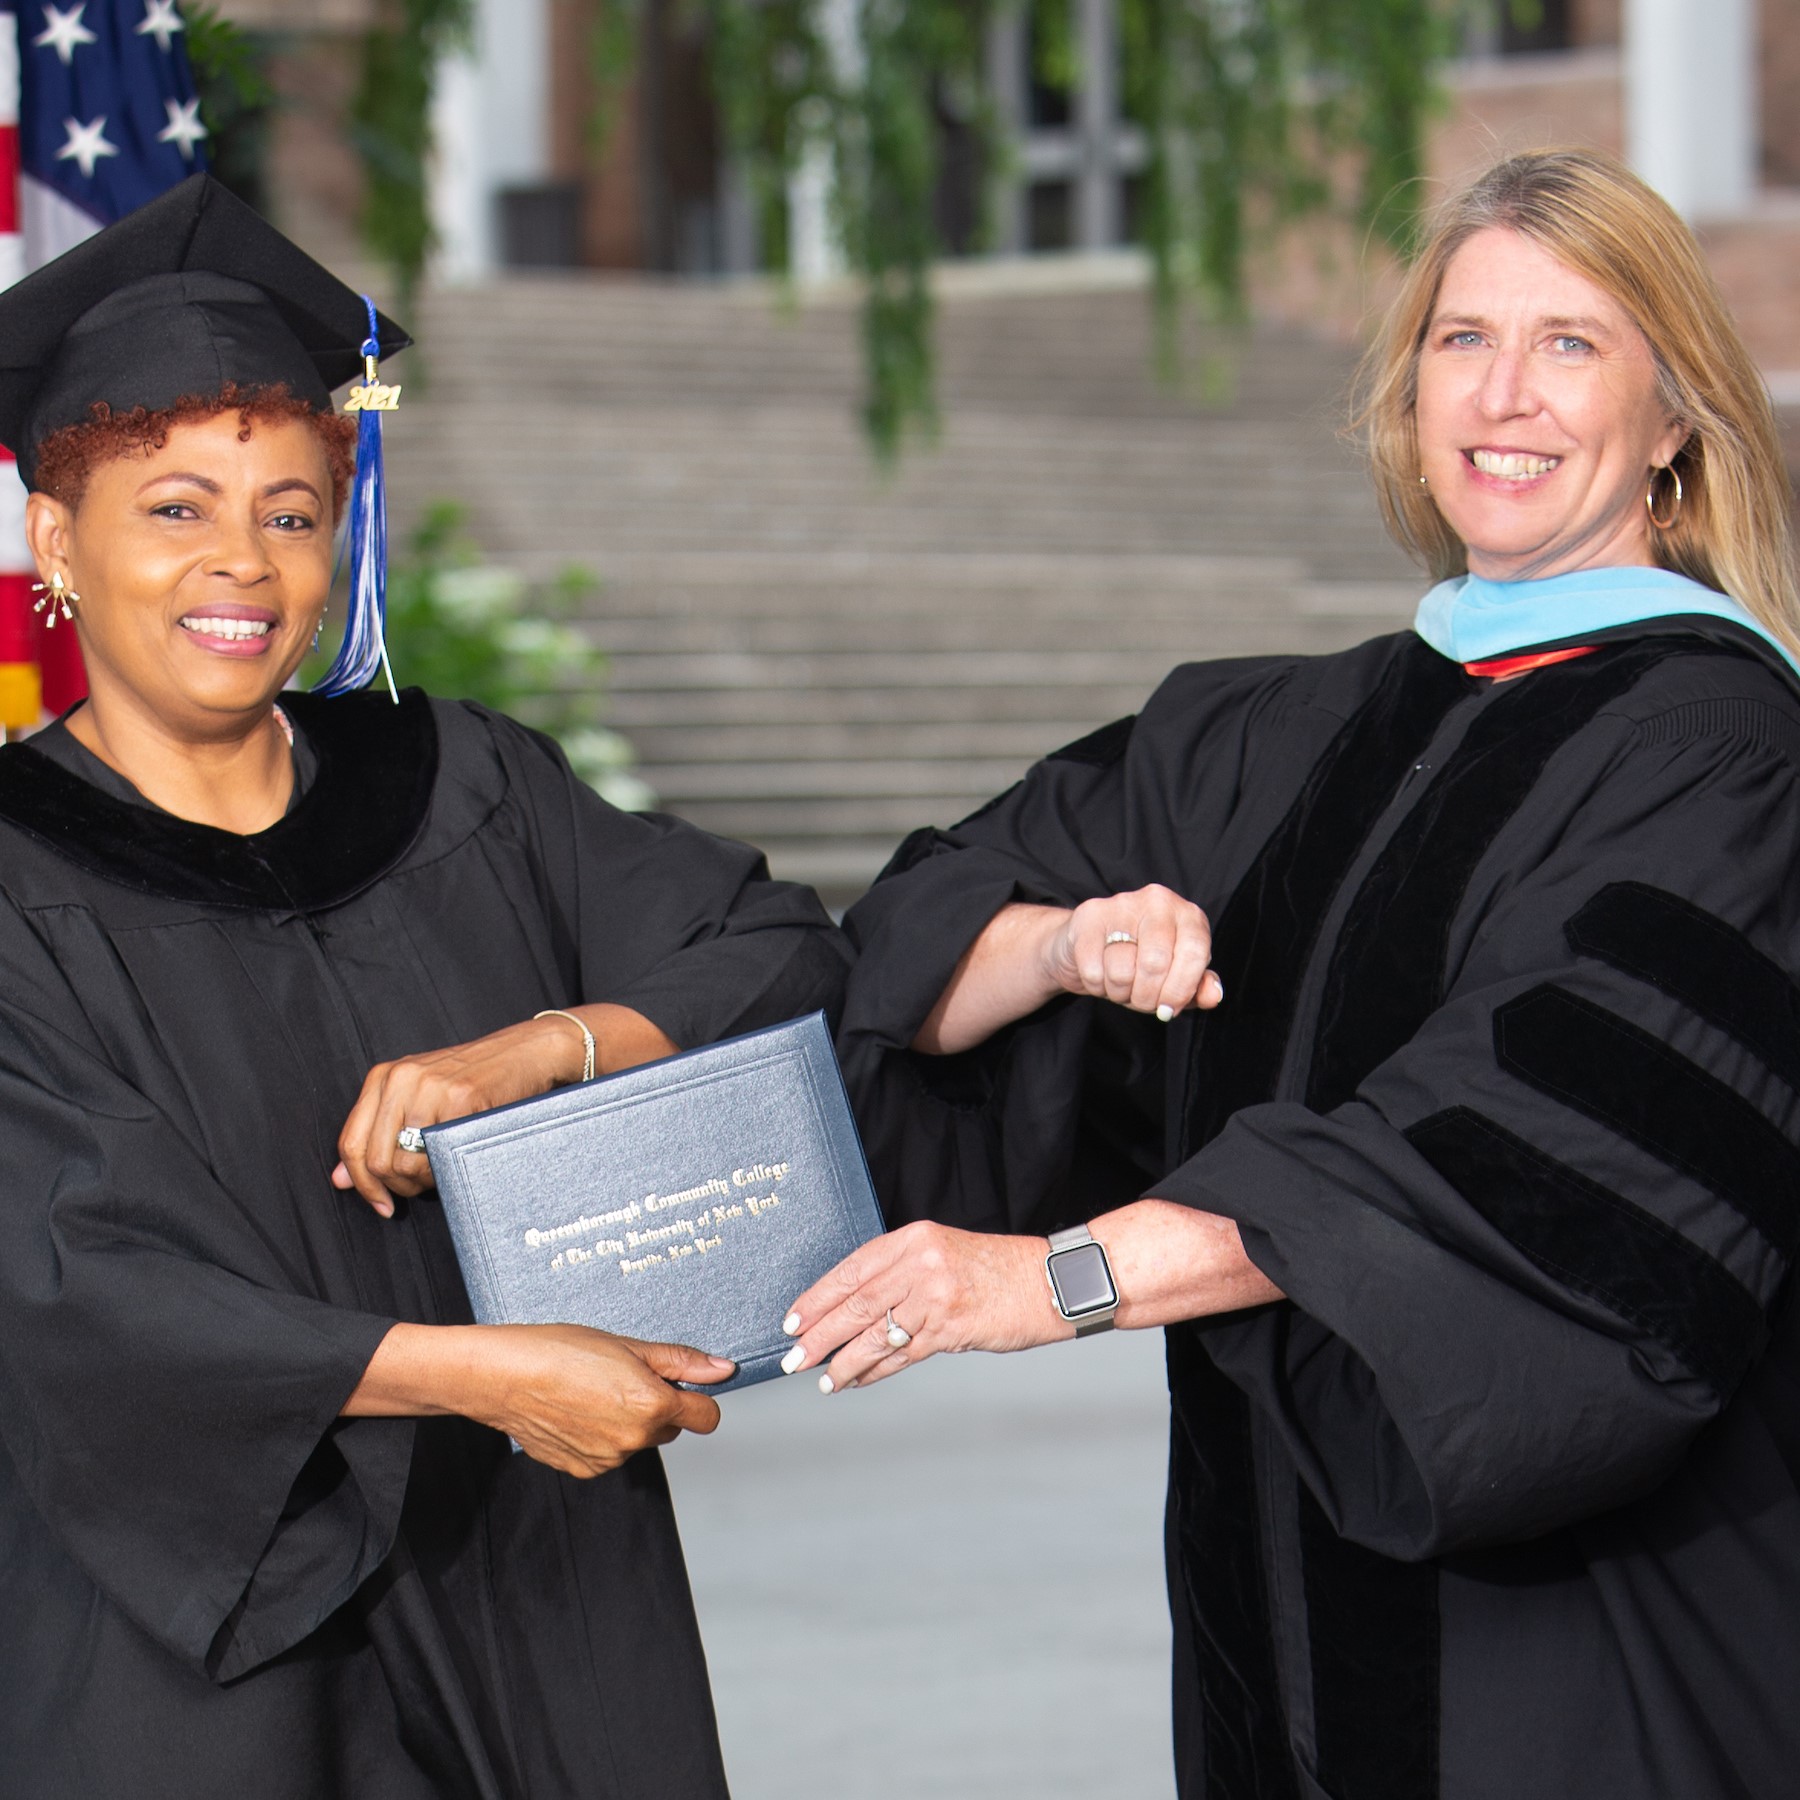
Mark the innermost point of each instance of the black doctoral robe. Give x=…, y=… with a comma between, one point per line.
x=213, y=1587
x=1503, y=1500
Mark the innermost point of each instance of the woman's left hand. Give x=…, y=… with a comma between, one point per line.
x=949, y=1290
x=507, y=1065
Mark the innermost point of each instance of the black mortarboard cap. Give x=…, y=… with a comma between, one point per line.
x=184, y=295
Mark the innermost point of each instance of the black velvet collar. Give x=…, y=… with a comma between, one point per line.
x=363, y=812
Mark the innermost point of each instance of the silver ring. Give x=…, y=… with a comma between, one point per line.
x=1120, y=937
x=411, y=1138
x=897, y=1335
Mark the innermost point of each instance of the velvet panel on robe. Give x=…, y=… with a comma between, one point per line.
x=214, y=1585
x=1506, y=1497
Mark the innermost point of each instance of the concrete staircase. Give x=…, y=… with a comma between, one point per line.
x=817, y=657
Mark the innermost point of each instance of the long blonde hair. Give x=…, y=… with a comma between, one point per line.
x=1734, y=531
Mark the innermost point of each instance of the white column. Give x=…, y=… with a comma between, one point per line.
x=1690, y=102
x=1096, y=126
x=815, y=243
x=1007, y=50
x=490, y=119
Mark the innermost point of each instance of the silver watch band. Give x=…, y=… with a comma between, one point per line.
x=1074, y=1237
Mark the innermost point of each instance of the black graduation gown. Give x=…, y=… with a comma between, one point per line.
x=1503, y=1500
x=211, y=1585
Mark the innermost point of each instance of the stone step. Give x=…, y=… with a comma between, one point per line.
x=822, y=345
x=840, y=869
x=568, y=536
x=1014, y=742
x=852, y=606
x=562, y=413
x=831, y=779
x=784, y=584
x=1007, y=463
x=876, y=817
x=987, y=629
x=638, y=489
x=1032, y=668
x=736, y=519
x=627, y=708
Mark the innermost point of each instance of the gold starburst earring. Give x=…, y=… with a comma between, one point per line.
x=58, y=596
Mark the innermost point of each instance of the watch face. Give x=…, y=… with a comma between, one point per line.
x=1083, y=1281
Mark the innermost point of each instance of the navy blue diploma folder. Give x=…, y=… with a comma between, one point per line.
x=689, y=1200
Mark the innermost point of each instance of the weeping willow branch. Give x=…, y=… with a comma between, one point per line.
x=1255, y=108
x=1252, y=109
x=919, y=57
x=876, y=105
x=1256, y=113
x=390, y=124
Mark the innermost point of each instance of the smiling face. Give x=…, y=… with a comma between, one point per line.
x=1539, y=419
x=203, y=567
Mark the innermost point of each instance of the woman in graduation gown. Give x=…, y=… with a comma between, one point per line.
x=1470, y=1197
x=261, y=1532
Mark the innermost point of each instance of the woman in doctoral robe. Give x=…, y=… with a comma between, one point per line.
x=261, y=1532
x=1470, y=1154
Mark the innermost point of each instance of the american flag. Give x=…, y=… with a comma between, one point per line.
x=98, y=114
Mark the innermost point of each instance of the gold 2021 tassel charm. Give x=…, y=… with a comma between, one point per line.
x=371, y=394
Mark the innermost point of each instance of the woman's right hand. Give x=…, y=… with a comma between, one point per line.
x=1147, y=949
x=581, y=1400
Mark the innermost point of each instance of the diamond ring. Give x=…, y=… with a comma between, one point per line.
x=411, y=1138
x=1120, y=937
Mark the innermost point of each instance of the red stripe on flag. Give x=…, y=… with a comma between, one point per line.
x=18, y=629
x=9, y=178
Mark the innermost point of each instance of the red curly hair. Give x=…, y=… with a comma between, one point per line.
x=67, y=457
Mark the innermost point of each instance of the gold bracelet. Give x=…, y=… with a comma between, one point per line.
x=587, y=1037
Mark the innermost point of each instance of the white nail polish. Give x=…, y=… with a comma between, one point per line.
x=826, y=1384
x=791, y=1324
x=795, y=1359
x=1165, y=1013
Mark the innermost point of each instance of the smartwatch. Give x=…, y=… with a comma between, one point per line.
x=1081, y=1281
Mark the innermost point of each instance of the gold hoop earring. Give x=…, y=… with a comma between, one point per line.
x=1650, y=499
x=58, y=596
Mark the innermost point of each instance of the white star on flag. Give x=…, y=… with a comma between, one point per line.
x=184, y=130
x=161, y=23
x=86, y=145
x=63, y=30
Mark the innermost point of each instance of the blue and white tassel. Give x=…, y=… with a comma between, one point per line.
x=364, y=649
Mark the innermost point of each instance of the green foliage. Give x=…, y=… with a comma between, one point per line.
x=914, y=51
x=1055, y=60
x=783, y=88
x=613, y=38
x=1256, y=112
x=772, y=73
x=236, y=96
x=463, y=629
x=1248, y=105
x=226, y=60
x=391, y=128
